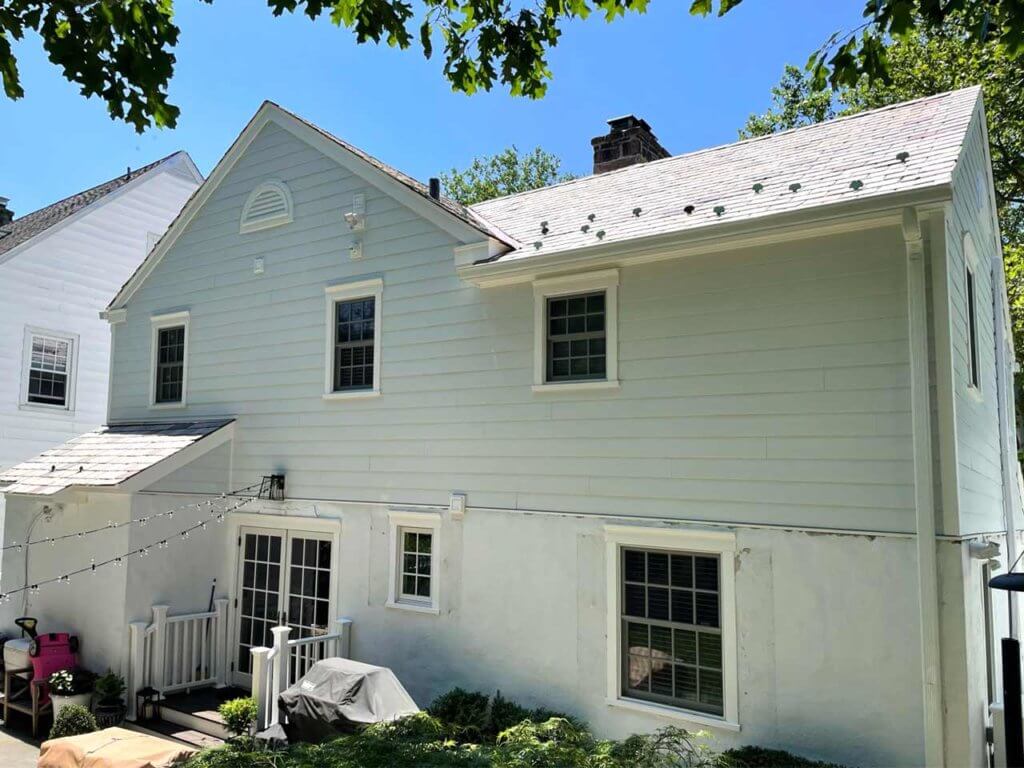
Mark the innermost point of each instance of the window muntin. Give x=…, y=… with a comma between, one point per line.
x=973, y=371
x=671, y=634
x=170, y=364
x=415, y=564
x=576, y=337
x=49, y=371
x=354, y=344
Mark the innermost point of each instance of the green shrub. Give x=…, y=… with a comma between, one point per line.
x=73, y=720
x=556, y=743
x=759, y=757
x=239, y=715
x=109, y=688
x=667, y=748
x=471, y=716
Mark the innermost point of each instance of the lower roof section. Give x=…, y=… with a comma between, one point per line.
x=111, y=456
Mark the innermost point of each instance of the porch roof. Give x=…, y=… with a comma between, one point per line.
x=109, y=456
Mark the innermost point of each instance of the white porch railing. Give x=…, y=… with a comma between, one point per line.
x=276, y=668
x=174, y=653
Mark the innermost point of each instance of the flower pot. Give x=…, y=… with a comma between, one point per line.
x=59, y=702
x=109, y=715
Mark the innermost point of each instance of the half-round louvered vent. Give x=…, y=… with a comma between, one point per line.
x=269, y=205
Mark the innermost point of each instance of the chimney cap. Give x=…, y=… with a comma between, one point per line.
x=4, y=201
x=628, y=121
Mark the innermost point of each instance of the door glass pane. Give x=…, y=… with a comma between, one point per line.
x=309, y=587
x=260, y=588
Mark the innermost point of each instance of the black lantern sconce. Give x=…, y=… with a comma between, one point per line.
x=272, y=488
x=147, y=705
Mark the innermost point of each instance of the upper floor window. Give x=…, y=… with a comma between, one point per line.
x=575, y=321
x=353, y=333
x=269, y=205
x=170, y=359
x=49, y=369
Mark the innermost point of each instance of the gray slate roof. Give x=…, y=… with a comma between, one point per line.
x=106, y=456
x=28, y=226
x=823, y=159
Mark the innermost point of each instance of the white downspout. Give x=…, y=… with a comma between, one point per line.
x=1007, y=426
x=924, y=502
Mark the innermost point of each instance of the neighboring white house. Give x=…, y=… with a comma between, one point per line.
x=59, y=266
x=721, y=440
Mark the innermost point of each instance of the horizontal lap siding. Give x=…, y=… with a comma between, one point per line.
x=977, y=415
x=766, y=385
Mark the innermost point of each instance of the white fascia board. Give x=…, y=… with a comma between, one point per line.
x=884, y=210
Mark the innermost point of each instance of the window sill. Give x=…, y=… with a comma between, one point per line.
x=412, y=607
x=56, y=410
x=355, y=394
x=682, y=715
x=165, y=406
x=576, y=386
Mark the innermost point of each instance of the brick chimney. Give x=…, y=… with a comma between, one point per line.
x=6, y=214
x=630, y=141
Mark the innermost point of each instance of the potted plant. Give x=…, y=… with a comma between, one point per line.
x=108, y=694
x=70, y=686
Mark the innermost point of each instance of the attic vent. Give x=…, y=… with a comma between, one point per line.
x=269, y=205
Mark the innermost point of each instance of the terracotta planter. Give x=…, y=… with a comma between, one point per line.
x=59, y=702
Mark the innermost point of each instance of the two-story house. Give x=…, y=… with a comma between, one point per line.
x=721, y=440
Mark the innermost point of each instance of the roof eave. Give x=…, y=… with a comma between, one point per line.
x=833, y=218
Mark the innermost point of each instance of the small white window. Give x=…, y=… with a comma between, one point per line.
x=269, y=205
x=575, y=332
x=352, y=352
x=971, y=309
x=49, y=369
x=414, y=582
x=169, y=368
x=671, y=623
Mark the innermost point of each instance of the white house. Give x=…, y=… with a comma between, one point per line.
x=721, y=440
x=58, y=267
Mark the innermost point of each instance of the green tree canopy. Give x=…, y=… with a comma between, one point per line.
x=505, y=173
x=122, y=50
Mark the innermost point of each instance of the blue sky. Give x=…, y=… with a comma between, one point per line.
x=694, y=80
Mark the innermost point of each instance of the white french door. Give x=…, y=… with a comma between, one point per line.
x=284, y=577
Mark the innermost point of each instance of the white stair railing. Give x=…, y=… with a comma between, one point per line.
x=176, y=653
x=275, y=669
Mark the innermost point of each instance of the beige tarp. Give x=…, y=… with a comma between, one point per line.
x=112, y=748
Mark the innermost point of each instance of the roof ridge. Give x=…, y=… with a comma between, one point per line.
x=720, y=147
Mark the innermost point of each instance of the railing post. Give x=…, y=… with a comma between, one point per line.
x=260, y=671
x=345, y=644
x=159, y=659
x=282, y=661
x=136, y=662
x=220, y=650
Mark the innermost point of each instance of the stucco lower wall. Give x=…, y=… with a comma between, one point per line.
x=827, y=625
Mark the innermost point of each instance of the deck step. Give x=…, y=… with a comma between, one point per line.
x=197, y=710
x=177, y=733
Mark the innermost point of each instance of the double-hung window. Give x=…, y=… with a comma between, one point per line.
x=353, y=339
x=49, y=369
x=170, y=360
x=671, y=622
x=575, y=329
x=414, y=581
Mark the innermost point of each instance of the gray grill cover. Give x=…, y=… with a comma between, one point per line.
x=341, y=695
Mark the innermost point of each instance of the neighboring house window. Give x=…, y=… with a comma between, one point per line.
x=49, y=369
x=971, y=301
x=170, y=360
x=415, y=543
x=269, y=205
x=575, y=331
x=353, y=339
x=671, y=631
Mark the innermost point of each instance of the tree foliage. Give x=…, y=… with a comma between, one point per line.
x=122, y=50
x=505, y=173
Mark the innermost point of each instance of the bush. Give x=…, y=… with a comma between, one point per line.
x=109, y=689
x=668, y=748
x=471, y=716
x=239, y=715
x=73, y=720
x=759, y=757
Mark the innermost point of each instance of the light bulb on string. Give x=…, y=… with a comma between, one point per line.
x=34, y=589
x=118, y=562
x=92, y=565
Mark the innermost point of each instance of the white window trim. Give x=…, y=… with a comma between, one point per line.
x=26, y=362
x=430, y=521
x=159, y=322
x=245, y=226
x=362, y=289
x=690, y=540
x=606, y=280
